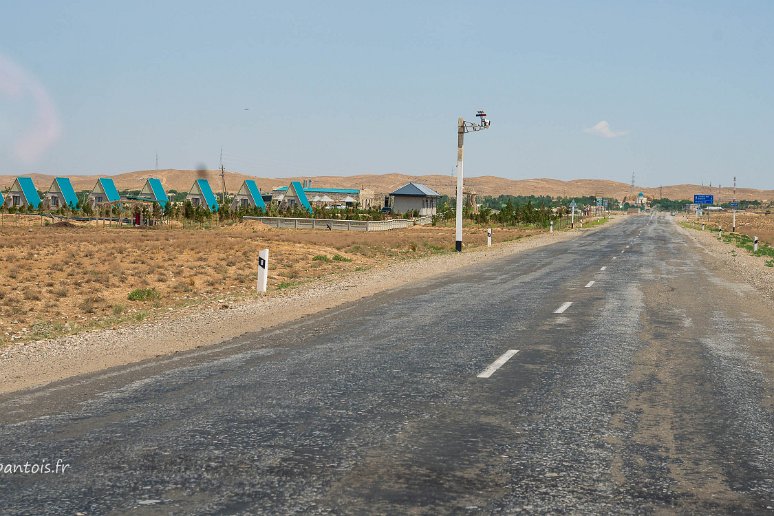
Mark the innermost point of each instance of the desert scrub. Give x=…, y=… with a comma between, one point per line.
x=90, y=304
x=321, y=258
x=183, y=286
x=143, y=294
x=339, y=258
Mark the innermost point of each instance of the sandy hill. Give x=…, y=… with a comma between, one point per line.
x=181, y=180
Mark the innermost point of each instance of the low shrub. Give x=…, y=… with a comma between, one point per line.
x=144, y=294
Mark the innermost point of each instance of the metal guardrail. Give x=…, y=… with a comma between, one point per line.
x=339, y=224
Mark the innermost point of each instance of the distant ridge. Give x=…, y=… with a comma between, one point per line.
x=381, y=184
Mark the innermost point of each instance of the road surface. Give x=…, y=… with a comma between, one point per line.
x=617, y=372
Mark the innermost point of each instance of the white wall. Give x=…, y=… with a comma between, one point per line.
x=424, y=205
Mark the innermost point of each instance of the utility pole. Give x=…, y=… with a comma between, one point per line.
x=223, y=177
x=733, y=224
x=462, y=128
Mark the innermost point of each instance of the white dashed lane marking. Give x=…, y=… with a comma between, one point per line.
x=603, y=268
x=589, y=284
x=562, y=308
x=497, y=364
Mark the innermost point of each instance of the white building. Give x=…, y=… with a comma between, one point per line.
x=414, y=197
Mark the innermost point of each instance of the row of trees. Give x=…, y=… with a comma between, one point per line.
x=512, y=210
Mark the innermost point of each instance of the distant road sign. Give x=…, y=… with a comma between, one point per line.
x=734, y=204
x=703, y=199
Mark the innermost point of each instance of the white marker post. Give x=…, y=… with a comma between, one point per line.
x=489, y=237
x=263, y=270
x=755, y=244
x=552, y=227
x=720, y=232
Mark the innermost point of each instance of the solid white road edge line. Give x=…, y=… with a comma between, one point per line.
x=497, y=364
x=589, y=283
x=564, y=307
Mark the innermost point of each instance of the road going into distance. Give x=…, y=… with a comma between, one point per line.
x=617, y=372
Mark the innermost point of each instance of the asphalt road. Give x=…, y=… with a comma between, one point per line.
x=652, y=391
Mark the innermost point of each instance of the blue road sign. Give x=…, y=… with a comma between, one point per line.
x=734, y=204
x=703, y=199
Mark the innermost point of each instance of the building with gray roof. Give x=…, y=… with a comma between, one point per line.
x=414, y=197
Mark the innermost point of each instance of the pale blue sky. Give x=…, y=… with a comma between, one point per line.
x=373, y=87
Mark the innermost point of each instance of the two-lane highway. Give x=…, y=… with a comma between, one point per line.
x=616, y=372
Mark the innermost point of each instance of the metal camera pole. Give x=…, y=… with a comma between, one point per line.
x=462, y=128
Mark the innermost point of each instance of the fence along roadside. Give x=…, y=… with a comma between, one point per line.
x=340, y=225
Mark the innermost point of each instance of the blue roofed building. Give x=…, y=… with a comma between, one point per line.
x=104, y=192
x=329, y=196
x=153, y=191
x=248, y=196
x=61, y=194
x=201, y=194
x=22, y=193
x=294, y=196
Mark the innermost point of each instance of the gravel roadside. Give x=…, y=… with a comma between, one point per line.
x=737, y=262
x=33, y=364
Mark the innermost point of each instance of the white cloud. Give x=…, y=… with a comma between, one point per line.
x=44, y=128
x=602, y=128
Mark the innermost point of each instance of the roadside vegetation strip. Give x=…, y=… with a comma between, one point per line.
x=594, y=222
x=497, y=364
x=740, y=240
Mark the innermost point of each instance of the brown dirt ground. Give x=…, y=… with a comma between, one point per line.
x=65, y=279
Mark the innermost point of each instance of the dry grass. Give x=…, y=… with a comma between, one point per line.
x=751, y=224
x=62, y=280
